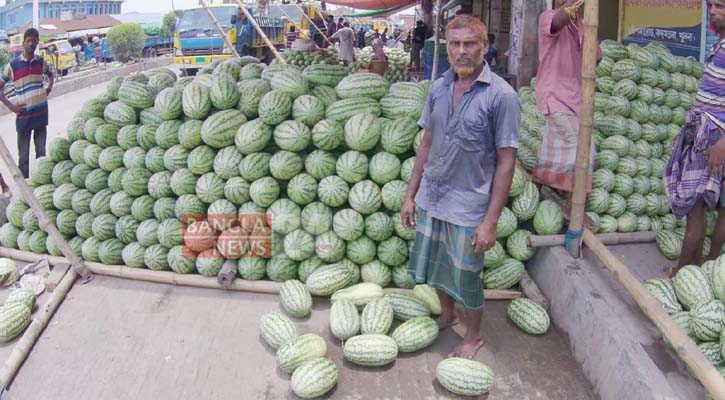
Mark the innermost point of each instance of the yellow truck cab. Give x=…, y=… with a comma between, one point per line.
x=59, y=54
x=291, y=12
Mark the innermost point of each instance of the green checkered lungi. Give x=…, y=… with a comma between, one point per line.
x=443, y=257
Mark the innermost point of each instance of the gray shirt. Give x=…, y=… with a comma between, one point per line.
x=458, y=176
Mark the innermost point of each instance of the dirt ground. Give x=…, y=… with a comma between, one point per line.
x=117, y=339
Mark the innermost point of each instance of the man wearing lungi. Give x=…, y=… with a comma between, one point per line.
x=694, y=174
x=558, y=95
x=461, y=178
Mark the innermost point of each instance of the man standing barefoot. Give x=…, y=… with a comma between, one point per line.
x=461, y=178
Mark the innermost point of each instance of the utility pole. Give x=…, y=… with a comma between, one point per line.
x=35, y=14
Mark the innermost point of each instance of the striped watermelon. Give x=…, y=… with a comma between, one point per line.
x=13, y=321
x=361, y=250
x=397, y=137
x=344, y=319
x=308, y=110
x=343, y=109
x=201, y=160
x=707, y=320
x=320, y=164
x=377, y=316
x=329, y=247
x=284, y=165
x=219, y=130
x=348, y=224
x=195, y=101
x=692, y=287
x=136, y=95
x=167, y=134
x=314, y=378
x=168, y=104
x=376, y=272
x=465, y=377
x=327, y=134
x=415, y=334
x=669, y=244
x=506, y=275
x=274, y=107
x=406, y=306
x=295, y=298
x=326, y=94
x=529, y=316
x=524, y=206
x=190, y=134
x=292, y=136
x=328, y=279
x=362, y=84
x=324, y=74
x=365, y=197
x=253, y=137
x=663, y=291
x=250, y=94
x=290, y=82
x=302, y=189
x=120, y=114
x=362, y=132
x=371, y=350
x=305, y=347
x=223, y=93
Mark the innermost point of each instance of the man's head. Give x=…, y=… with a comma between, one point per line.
x=339, y=20
x=419, y=23
x=346, y=24
x=292, y=28
x=467, y=43
x=491, y=39
x=716, y=10
x=31, y=37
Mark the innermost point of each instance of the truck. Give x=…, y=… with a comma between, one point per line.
x=153, y=46
x=197, y=42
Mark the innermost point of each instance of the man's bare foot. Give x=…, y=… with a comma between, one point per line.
x=446, y=321
x=469, y=347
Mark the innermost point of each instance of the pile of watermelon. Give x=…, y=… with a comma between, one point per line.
x=694, y=299
x=642, y=97
x=307, y=58
x=397, y=59
x=326, y=155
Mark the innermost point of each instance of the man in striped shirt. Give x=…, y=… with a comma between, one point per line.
x=291, y=36
x=694, y=175
x=26, y=72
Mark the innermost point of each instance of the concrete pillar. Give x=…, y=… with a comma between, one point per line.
x=523, y=59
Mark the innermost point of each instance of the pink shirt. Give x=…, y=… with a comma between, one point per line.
x=558, y=80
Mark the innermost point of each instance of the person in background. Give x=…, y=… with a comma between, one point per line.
x=291, y=36
x=361, y=37
x=330, y=26
x=345, y=36
x=303, y=43
x=27, y=72
x=385, y=35
x=558, y=96
x=419, y=34
x=340, y=24
x=694, y=174
x=461, y=179
x=492, y=54
x=98, y=54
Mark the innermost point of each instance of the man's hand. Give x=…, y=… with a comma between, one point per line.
x=407, y=213
x=485, y=237
x=716, y=155
x=48, y=90
x=18, y=108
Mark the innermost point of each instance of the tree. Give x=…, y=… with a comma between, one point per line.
x=167, y=24
x=126, y=40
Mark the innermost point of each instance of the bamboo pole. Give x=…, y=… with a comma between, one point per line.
x=45, y=223
x=589, y=75
x=172, y=278
x=436, y=42
x=307, y=17
x=606, y=238
x=23, y=347
x=261, y=33
x=218, y=28
x=699, y=366
x=227, y=274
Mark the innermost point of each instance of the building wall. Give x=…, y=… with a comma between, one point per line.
x=17, y=14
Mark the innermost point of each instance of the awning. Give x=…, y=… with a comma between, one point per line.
x=376, y=13
x=373, y=4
